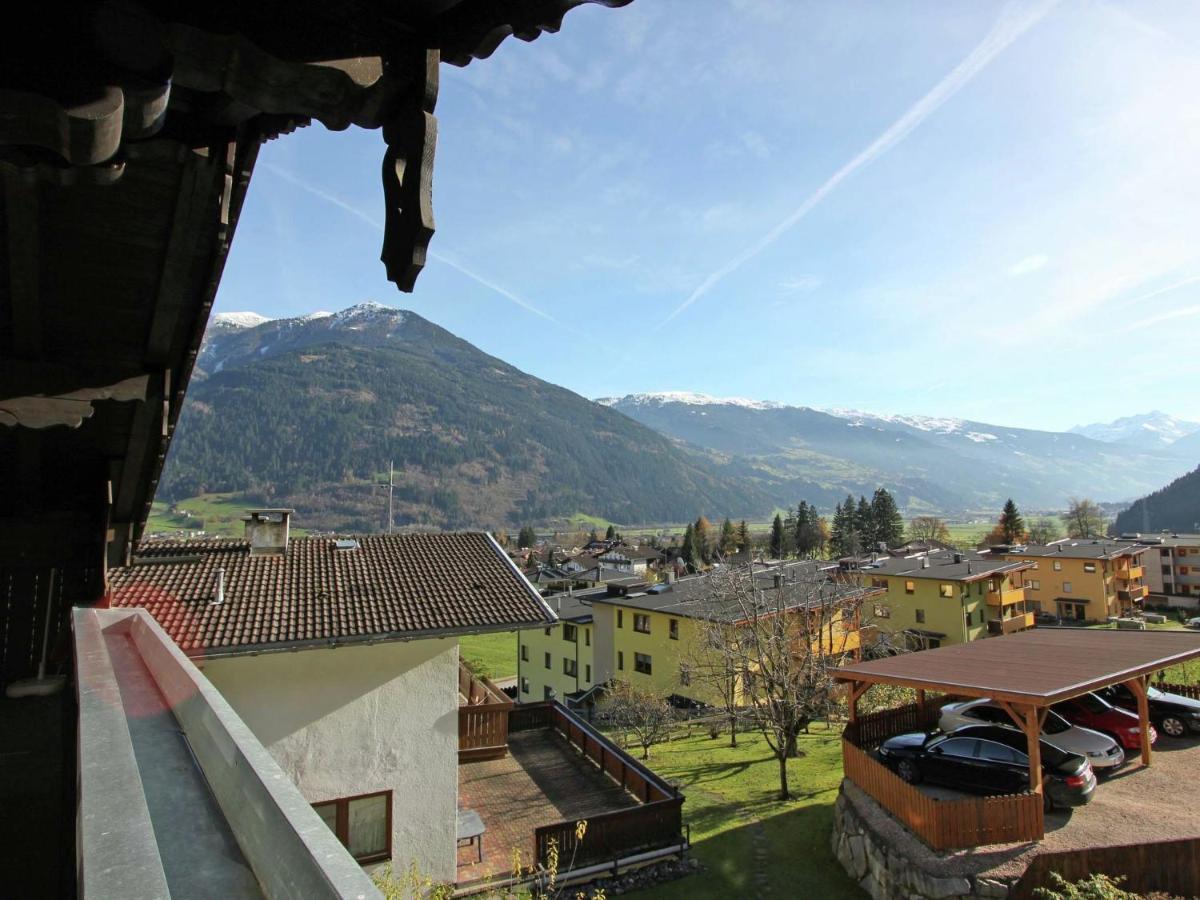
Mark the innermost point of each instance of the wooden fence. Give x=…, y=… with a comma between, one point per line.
x=24, y=595
x=657, y=822
x=1170, y=867
x=482, y=719
x=1183, y=690
x=942, y=824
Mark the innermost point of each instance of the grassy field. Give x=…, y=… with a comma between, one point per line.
x=751, y=844
x=215, y=514
x=493, y=654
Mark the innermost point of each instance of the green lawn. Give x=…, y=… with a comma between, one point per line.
x=494, y=654
x=746, y=839
x=215, y=514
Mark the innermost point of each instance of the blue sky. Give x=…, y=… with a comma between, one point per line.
x=979, y=209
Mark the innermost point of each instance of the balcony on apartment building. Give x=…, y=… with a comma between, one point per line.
x=1005, y=597
x=176, y=794
x=551, y=771
x=1010, y=624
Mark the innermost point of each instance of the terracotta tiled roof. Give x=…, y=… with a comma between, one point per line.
x=390, y=586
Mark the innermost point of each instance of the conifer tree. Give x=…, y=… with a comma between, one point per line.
x=704, y=540
x=777, y=537
x=839, y=531
x=1012, y=526
x=527, y=538
x=688, y=550
x=885, y=517
x=744, y=536
x=728, y=542
x=611, y=533
x=864, y=525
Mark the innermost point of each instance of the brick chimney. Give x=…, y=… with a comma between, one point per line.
x=267, y=530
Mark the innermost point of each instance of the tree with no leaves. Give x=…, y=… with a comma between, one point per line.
x=1084, y=519
x=1043, y=531
x=782, y=636
x=645, y=715
x=928, y=528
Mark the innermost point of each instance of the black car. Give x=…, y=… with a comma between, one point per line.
x=1047, y=618
x=1173, y=715
x=988, y=759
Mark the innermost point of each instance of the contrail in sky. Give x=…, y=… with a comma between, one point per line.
x=378, y=226
x=1012, y=23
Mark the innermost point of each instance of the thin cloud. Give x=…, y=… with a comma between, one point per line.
x=1192, y=279
x=377, y=224
x=1185, y=313
x=1012, y=23
x=1028, y=265
x=801, y=284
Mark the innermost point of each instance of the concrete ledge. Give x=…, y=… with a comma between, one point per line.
x=289, y=848
x=117, y=851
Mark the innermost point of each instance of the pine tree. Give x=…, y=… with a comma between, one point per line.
x=839, y=531
x=888, y=524
x=527, y=538
x=744, y=536
x=1012, y=526
x=728, y=542
x=704, y=539
x=688, y=550
x=777, y=537
x=864, y=526
x=611, y=533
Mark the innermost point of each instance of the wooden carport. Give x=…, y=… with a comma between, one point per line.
x=1028, y=672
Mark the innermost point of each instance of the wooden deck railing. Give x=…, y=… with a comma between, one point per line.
x=656, y=822
x=482, y=718
x=942, y=824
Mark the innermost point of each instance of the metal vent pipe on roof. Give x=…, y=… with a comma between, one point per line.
x=219, y=592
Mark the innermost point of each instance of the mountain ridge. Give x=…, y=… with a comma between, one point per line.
x=477, y=442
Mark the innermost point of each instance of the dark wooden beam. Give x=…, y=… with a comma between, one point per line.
x=21, y=212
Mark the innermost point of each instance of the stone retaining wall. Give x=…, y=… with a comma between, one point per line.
x=886, y=874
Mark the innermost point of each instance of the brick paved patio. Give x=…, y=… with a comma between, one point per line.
x=542, y=780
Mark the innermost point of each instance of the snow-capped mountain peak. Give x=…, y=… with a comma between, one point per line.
x=245, y=319
x=688, y=398
x=1155, y=426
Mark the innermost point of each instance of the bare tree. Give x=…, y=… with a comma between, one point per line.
x=1043, y=531
x=1084, y=518
x=928, y=528
x=644, y=714
x=787, y=633
x=712, y=665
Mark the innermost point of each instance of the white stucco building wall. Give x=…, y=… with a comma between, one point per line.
x=359, y=719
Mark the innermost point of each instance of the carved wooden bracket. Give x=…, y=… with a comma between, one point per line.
x=411, y=136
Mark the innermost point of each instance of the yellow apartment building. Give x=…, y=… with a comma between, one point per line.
x=946, y=598
x=653, y=637
x=557, y=661
x=1082, y=580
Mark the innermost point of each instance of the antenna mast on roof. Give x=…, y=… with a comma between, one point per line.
x=390, y=484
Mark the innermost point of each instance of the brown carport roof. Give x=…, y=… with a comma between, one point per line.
x=1038, y=667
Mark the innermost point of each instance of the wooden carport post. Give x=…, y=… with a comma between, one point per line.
x=1138, y=687
x=1031, y=719
x=857, y=689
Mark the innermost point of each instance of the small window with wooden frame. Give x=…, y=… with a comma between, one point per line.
x=363, y=824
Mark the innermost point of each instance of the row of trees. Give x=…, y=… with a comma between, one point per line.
x=1084, y=519
x=860, y=526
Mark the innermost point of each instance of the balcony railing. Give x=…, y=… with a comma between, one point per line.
x=1132, y=594
x=656, y=822
x=1006, y=597
x=1131, y=574
x=482, y=717
x=1011, y=624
